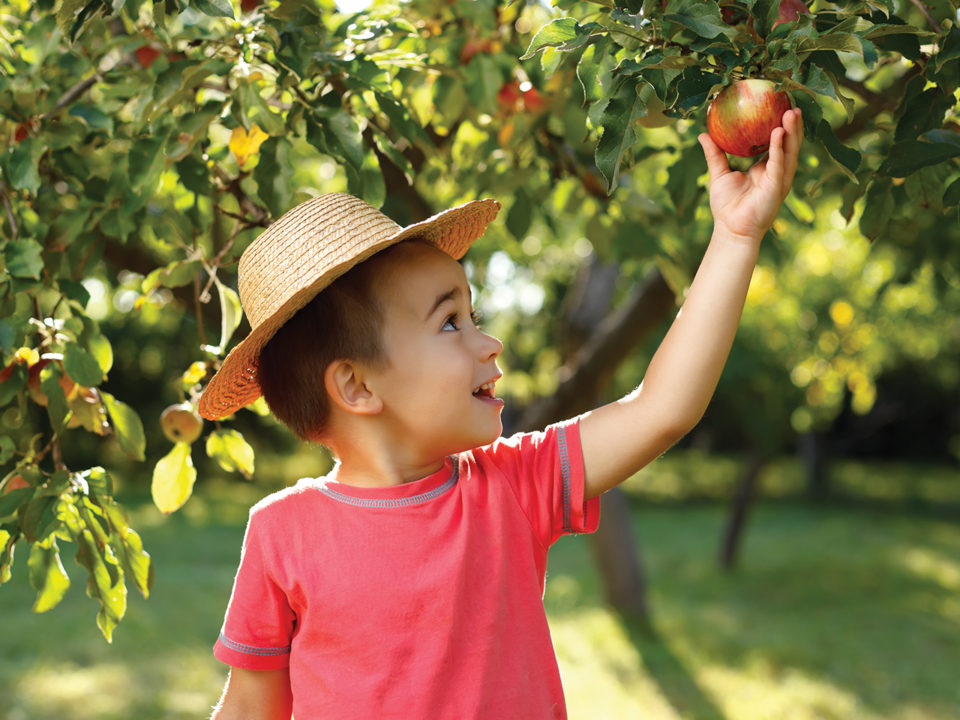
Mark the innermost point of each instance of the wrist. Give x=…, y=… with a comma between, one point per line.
x=725, y=236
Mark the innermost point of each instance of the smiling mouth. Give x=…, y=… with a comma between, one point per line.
x=485, y=390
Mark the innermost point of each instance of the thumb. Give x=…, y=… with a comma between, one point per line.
x=716, y=158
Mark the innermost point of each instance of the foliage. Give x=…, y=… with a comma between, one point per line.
x=148, y=143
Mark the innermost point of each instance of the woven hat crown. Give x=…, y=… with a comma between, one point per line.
x=304, y=251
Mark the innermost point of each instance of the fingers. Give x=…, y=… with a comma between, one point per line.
x=793, y=125
x=716, y=158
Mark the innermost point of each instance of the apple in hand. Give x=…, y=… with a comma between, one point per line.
x=742, y=116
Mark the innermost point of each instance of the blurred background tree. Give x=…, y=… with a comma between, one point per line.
x=148, y=143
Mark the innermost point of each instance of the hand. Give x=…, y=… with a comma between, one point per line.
x=745, y=204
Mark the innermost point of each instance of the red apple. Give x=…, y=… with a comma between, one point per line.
x=146, y=55
x=533, y=101
x=509, y=95
x=249, y=5
x=741, y=118
x=790, y=10
x=21, y=133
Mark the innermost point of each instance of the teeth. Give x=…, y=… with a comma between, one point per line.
x=486, y=386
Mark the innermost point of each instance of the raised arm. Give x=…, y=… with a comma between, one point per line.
x=255, y=695
x=620, y=438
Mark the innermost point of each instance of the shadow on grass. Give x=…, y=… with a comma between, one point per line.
x=671, y=675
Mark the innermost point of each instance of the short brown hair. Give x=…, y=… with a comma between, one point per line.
x=343, y=322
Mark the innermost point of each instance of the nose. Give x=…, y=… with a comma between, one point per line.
x=489, y=346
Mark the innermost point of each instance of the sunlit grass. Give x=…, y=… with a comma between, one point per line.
x=835, y=613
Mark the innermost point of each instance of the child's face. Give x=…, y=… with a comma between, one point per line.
x=437, y=358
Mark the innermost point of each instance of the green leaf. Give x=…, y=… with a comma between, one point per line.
x=765, y=15
x=594, y=72
x=682, y=182
x=562, y=33
x=13, y=499
x=368, y=183
x=925, y=187
x=94, y=117
x=128, y=426
x=7, y=448
x=7, y=543
x=194, y=175
x=617, y=134
x=520, y=214
x=24, y=258
x=128, y=546
x=840, y=42
x=47, y=575
x=176, y=274
x=344, y=136
x=910, y=155
x=22, y=162
x=272, y=175
x=81, y=366
x=949, y=48
x=877, y=208
x=951, y=195
x=703, y=18
x=66, y=13
x=101, y=349
x=105, y=583
x=214, y=8
x=57, y=407
x=173, y=478
x=230, y=315
x=847, y=159
x=231, y=451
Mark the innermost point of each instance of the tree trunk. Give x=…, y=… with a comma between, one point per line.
x=813, y=455
x=743, y=499
x=617, y=555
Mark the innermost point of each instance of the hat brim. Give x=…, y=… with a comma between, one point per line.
x=236, y=385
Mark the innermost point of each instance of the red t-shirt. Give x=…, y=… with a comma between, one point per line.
x=422, y=600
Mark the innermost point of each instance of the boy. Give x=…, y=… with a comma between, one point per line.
x=409, y=582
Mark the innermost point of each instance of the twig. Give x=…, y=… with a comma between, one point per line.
x=926, y=13
x=71, y=95
x=196, y=305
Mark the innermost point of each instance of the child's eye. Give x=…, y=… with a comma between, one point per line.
x=450, y=323
x=476, y=318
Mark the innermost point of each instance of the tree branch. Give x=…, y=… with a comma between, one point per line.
x=926, y=13
x=583, y=378
x=72, y=95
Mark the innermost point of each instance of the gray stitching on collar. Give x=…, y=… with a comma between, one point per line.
x=388, y=503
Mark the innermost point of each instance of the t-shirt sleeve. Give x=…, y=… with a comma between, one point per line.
x=545, y=470
x=259, y=621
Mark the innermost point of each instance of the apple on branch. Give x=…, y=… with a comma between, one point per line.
x=742, y=116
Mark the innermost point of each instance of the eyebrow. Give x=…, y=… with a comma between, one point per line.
x=441, y=299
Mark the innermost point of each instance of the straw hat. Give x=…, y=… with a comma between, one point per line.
x=304, y=251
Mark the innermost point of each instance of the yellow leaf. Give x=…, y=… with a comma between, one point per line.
x=194, y=374
x=173, y=478
x=243, y=145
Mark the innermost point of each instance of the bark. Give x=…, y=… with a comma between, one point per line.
x=743, y=499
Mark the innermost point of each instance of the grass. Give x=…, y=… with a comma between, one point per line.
x=837, y=612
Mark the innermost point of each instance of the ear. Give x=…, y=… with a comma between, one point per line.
x=343, y=380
